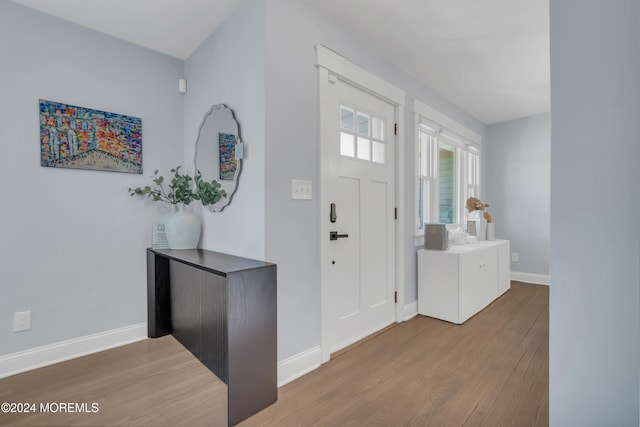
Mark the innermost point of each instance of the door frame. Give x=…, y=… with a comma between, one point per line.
x=331, y=67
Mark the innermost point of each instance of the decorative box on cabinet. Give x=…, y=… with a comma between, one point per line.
x=222, y=308
x=457, y=283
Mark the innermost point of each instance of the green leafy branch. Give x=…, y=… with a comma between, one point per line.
x=180, y=189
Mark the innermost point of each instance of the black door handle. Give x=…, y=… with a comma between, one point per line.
x=333, y=235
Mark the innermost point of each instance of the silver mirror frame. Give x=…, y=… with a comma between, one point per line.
x=226, y=113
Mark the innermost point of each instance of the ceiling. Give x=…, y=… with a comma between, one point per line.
x=490, y=57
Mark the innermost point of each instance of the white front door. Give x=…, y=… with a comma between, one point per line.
x=358, y=193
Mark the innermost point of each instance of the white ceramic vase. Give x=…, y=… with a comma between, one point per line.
x=182, y=228
x=491, y=231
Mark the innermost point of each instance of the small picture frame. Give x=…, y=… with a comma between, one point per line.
x=158, y=237
x=471, y=228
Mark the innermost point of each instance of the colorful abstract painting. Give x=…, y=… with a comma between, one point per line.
x=227, y=149
x=83, y=138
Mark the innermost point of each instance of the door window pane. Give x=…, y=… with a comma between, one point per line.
x=346, y=118
x=377, y=127
x=377, y=152
x=363, y=149
x=347, y=147
x=363, y=124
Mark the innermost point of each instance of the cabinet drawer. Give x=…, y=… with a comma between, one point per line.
x=478, y=281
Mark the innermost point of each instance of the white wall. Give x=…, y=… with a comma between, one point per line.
x=292, y=227
x=73, y=242
x=595, y=211
x=517, y=174
x=228, y=68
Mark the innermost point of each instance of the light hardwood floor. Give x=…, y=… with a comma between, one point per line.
x=155, y=382
x=492, y=371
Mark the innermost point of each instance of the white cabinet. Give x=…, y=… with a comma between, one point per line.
x=504, y=267
x=455, y=284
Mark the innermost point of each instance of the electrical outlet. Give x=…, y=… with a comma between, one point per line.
x=515, y=257
x=22, y=321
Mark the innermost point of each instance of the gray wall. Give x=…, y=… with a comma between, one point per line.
x=292, y=227
x=261, y=62
x=228, y=68
x=517, y=173
x=73, y=242
x=595, y=210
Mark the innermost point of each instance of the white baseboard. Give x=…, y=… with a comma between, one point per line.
x=38, y=357
x=410, y=310
x=538, y=279
x=299, y=364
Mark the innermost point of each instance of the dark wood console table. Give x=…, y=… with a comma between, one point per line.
x=222, y=308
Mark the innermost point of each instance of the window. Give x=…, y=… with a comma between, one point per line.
x=363, y=138
x=447, y=188
x=473, y=168
x=426, y=174
x=448, y=172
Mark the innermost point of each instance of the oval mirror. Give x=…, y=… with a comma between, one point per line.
x=219, y=151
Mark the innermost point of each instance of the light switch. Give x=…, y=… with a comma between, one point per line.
x=301, y=190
